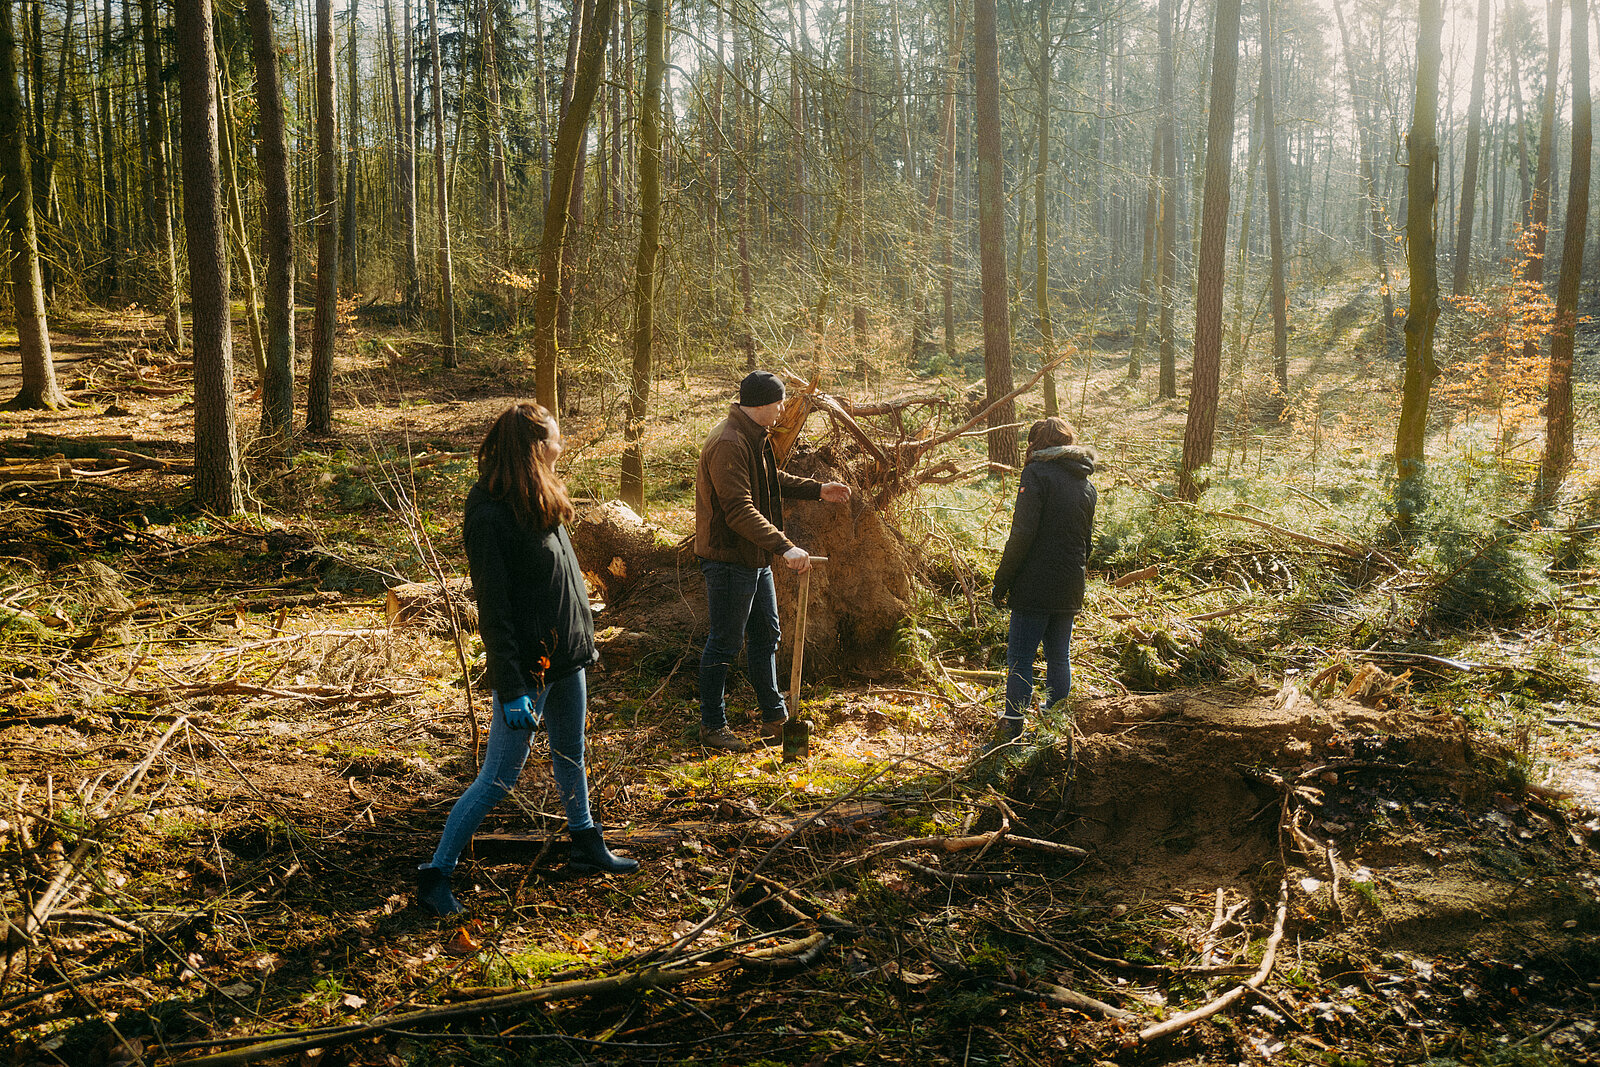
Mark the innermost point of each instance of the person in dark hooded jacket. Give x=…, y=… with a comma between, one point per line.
x=1045, y=565
x=538, y=638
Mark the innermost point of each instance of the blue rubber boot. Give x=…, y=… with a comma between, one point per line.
x=433, y=893
x=590, y=855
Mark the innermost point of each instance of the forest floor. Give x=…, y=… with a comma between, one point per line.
x=220, y=764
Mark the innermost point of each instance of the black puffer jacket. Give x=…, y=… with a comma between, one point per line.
x=1046, y=556
x=533, y=608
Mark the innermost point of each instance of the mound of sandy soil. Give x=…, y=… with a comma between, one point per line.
x=1401, y=829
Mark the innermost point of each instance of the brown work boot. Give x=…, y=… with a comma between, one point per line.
x=772, y=732
x=722, y=738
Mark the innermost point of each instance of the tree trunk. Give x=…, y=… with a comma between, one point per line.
x=948, y=180
x=412, y=283
x=744, y=133
x=541, y=100
x=574, y=123
x=1041, y=213
x=1200, y=430
x=592, y=26
x=39, y=389
x=325, y=312
x=644, y=287
x=1377, y=230
x=272, y=160
x=1242, y=275
x=797, y=131
x=860, y=145
x=447, y=282
x=498, y=193
x=1280, y=293
x=1522, y=138
x=1168, y=270
x=236, y=223
x=1148, y=268
x=1469, y=170
x=216, y=451
x=111, y=233
x=992, y=238
x=44, y=158
x=1422, y=191
x=1539, y=204
x=160, y=180
x=352, y=164
x=1557, y=458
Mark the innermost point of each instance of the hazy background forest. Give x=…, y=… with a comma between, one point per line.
x=813, y=176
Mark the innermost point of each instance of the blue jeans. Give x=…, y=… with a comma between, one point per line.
x=1028, y=629
x=743, y=604
x=560, y=707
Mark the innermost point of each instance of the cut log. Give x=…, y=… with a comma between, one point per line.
x=424, y=604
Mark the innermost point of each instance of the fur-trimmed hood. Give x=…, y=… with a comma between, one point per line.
x=1080, y=459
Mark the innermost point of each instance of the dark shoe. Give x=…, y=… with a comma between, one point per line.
x=722, y=738
x=589, y=853
x=433, y=893
x=772, y=731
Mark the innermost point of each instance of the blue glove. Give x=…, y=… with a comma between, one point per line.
x=519, y=713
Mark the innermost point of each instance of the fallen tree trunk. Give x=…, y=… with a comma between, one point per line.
x=424, y=604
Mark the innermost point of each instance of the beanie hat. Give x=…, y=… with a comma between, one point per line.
x=760, y=388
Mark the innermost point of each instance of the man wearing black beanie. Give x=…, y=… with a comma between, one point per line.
x=738, y=526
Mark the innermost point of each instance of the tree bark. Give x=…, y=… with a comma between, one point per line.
x=216, y=450
x=599, y=28
x=574, y=122
x=325, y=312
x=236, y=223
x=1041, y=211
x=1557, y=458
x=39, y=389
x=111, y=232
x=1422, y=191
x=352, y=163
x=497, y=145
x=447, y=282
x=1200, y=430
x=797, y=132
x=411, y=280
x=1377, y=230
x=992, y=238
x=1168, y=248
x=1280, y=293
x=860, y=145
x=160, y=179
x=948, y=178
x=272, y=161
x=632, y=482
x=744, y=133
x=1148, y=268
x=1539, y=203
x=1469, y=170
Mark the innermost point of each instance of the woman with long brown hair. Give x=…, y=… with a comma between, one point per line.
x=1045, y=565
x=538, y=636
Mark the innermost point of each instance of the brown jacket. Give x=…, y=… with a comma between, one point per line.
x=738, y=495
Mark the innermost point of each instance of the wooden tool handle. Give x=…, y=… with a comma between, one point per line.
x=802, y=599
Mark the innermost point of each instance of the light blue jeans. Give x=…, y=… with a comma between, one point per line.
x=560, y=706
x=1028, y=630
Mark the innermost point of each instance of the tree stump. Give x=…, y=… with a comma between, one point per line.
x=424, y=604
